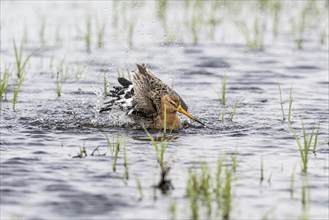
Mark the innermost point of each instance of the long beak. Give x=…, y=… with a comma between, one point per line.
x=181, y=110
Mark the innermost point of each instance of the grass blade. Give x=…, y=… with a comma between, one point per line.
x=283, y=115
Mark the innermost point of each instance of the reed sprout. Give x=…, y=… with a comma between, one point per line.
x=4, y=78
x=276, y=15
x=139, y=187
x=305, y=148
x=162, y=6
x=105, y=85
x=101, y=28
x=125, y=163
x=194, y=28
x=218, y=181
x=110, y=144
x=131, y=30
x=21, y=63
x=234, y=161
x=160, y=148
x=116, y=151
x=222, y=115
x=255, y=41
x=281, y=102
x=87, y=36
x=17, y=88
x=235, y=108
x=192, y=191
x=290, y=105
x=82, y=152
x=223, y=99
x=123, y=71
x=61, y=76
x=227, y=194
x=261, y=169
x=42, y=30
x=316, y=139
x=208, y=188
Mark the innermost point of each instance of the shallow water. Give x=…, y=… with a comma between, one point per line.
x=40, y=179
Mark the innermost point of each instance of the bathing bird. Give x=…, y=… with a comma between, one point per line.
x=148, y=101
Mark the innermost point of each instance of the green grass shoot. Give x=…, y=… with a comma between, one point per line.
x=17, y=88
x=163, y=143
x=235, y=107
x=281, y=102
x=223, y=99
x=101, y=27
x=219, y=181
x=21, y=63
x=305, y=148
x=87, y=36
x=131, y=30
x=234, y=161
x=227, y=195
x=59, y=85
x=192, y=192
x=61, y=76
x=316, y=138
x=290, y=105
x=206, y=186
x=125, y=163
x=105, y=85
x=4, y=83
x=116, y=152
x=222, y=114
x=110, y=144
x=42, y=30
x=261, y=169
x=139, y=187
x=276, y=16
x=254, y=36
x=194, y=29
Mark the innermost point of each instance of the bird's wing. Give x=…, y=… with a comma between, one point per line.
x=153, y=87
x=142, y=101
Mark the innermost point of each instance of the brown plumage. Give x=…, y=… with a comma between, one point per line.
x=149, y=101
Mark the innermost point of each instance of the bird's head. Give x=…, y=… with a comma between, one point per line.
x=172, y=104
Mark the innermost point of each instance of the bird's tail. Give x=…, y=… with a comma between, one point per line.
x=121, y=95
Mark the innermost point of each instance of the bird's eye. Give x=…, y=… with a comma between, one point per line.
x=173, y=103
